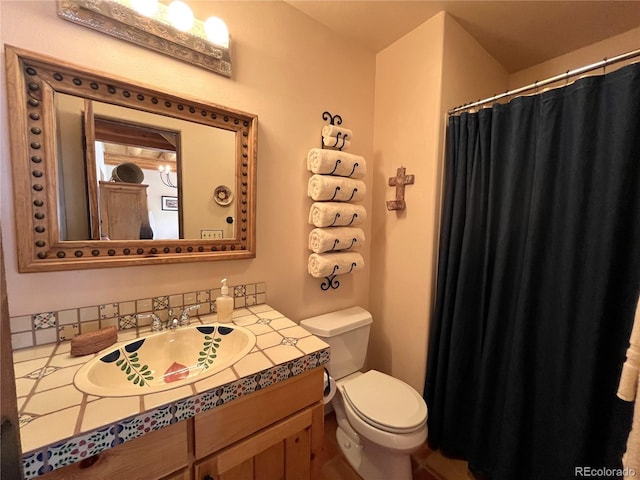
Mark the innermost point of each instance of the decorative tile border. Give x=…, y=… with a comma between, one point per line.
x=77, y=448
x=55, y=327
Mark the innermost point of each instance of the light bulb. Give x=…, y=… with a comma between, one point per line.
x=217, y=31
x=180, y=15
x=148, y=8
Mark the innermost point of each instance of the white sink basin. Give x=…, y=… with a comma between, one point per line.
x=164, y=360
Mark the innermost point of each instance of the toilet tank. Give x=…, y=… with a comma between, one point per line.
x=347, y=333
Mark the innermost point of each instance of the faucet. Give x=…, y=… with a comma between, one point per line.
x=156, y=323
x=172, y=322
x=184, y=316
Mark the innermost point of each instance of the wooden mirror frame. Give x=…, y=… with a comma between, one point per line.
x=32, y=80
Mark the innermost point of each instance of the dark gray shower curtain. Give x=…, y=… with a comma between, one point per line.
x=538, y=278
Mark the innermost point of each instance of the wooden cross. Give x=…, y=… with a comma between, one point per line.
x=399, y=181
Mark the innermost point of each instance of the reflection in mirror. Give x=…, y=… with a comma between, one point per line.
x=97, y=139
x=127, y=153
x=88, y=188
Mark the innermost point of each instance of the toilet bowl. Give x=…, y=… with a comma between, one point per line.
x=377, y=431
x=381, y=419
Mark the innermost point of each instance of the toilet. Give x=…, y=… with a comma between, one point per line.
x=381, y=419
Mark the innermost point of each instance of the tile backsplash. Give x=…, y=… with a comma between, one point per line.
x=53, y=327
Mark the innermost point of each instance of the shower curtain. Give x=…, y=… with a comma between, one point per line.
x=538, y=276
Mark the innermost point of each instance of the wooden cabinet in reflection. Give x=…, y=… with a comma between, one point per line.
x=123, y=211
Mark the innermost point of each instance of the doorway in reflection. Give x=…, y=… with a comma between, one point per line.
x=147, y=158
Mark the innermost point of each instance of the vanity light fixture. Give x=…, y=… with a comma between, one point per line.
x=170, y=29
x=165, y=176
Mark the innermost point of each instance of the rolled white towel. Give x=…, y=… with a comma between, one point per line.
x=335, y=162
x=334, y=130
x=327, y=264
x=336, y=214
x=336, y=189
x=631, y=458
x=628, y=385
x=336, y=238
x=342, y=142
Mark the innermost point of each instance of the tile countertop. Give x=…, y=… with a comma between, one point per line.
x=60, y=425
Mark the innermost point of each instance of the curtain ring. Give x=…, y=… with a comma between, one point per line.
x=566, y=78
x=604, y=66
x=535, y=86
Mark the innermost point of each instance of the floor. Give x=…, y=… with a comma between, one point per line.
x=427, y=464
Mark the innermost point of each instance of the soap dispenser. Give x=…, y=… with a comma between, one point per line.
x=224, y=304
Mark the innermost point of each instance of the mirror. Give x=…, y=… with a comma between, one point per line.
x=180, y=165
x=107, y=173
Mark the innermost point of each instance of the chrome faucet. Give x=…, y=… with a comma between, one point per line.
x=156, y=323
x=184, y=316
x=172, y=322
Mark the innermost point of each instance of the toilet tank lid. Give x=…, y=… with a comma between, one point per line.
x=335, y=323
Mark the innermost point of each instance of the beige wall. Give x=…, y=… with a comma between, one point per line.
x=608, y=48
x=288, y=84
x=408, y=85
x=418, y=78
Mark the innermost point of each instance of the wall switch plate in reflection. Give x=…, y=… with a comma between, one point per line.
x=211, y=235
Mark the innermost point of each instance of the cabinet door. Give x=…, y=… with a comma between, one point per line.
x=123, y=211
x=282, y=451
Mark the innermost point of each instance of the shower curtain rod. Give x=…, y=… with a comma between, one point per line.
x=542, y=83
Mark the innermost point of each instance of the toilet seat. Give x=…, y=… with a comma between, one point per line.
x=385, y=402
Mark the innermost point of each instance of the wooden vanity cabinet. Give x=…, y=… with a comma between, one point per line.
x=274, y=433
x=224, y=425
x=278, y=452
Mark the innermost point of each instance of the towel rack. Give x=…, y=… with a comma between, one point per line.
x=341, y=139
x=331, y=282
x=344, y=168
x=353, y=218
x=333, y=119
x=336, y=242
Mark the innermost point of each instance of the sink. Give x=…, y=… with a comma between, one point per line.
x=164, y=360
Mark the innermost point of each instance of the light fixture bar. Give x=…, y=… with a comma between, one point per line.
x=119, y=19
